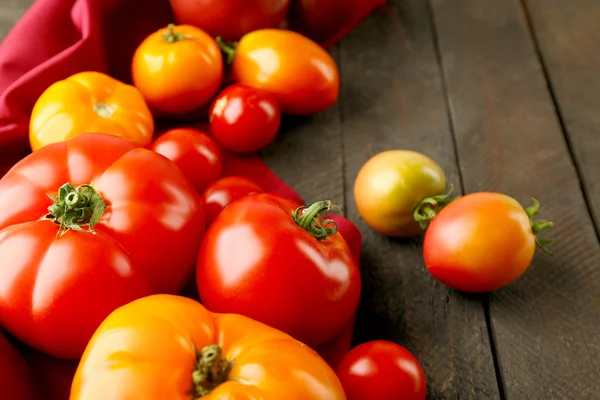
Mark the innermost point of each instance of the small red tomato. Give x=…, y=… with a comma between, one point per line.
x=382, y=370
x=482, y=242
x=224, y=192
x=244, y=119
x=194, y=152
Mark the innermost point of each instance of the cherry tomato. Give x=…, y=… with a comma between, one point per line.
x=391, y=185
x=230, y=19
x=244, y=119
x=382, y=370
x=269, y=259
x=194, y=152
x=224, y=192
x=301, y=74
x=482, y=242
x=178, y=69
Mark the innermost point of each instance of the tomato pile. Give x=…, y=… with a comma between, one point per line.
x=133, y=266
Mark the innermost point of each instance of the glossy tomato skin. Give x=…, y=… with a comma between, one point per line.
x=278, y=274
x=382, y=370
x=224, y=192
x=244, y=119
x=301, y=74
x=328, y=21
x=180, y=75
x=391, y=184
x=230, y=19
x=479, y=243
x=194, y=152
x=156, y=340
x=15, y=375
x=90, y=102
x=146, y=241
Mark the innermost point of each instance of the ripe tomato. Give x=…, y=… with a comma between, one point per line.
x=291, y=269
x=224, y=192
x=16, y=379
x=382, y=370
x=194, y=152
x=230, y=19
x=53, y=376
x=482, y=242
x=171, y=347
x=90, y=102
x=178, y=69
x=392, y=185
x=301, y=74
x=328, y=21
x=148, y=223
x=244, y=119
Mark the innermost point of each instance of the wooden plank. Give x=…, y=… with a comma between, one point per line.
x=567, y=34
x=392, y=98
x=509, y=139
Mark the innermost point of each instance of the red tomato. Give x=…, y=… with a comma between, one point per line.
x=148, y=223
x=224, y=192
x=382, y=370
x=244, y=119
x=194, y=152
x=267, y=258
x=482, y=242
x=16, y=379
x=230, y=19
x=328, y=21
x=53, y=376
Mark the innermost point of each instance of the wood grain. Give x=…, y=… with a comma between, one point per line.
x=509, y=139
x=392, y=98
x=567, y=34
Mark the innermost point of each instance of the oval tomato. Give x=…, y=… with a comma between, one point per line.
x=301, y=74
x=482, y=242
x=291, y=269
x=382, y=370
x=194, y=152
x=171, y=347
x=391, y=186
x=16, y=378
x=230, y=19
x=148, y=224
x=90, y=102
x=244, y=119
x=328, y=21
x=178, y=69
x=224, y=192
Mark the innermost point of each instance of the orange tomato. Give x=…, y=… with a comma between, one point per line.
x=90, y=102
x=171, y=347
x=178, y=69
x=301, y=74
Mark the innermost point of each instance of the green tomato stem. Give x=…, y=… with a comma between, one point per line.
x=539, y=225
x=173, y=37
x=211, y=370
x=75, y=208
x=311, y=219
x=228, y=48
x=429, y=207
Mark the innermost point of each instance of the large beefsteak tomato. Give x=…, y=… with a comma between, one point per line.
x=87, y=225
x=171, y=347
x=267, y=258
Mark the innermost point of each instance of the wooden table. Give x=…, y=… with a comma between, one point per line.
x=506, y=97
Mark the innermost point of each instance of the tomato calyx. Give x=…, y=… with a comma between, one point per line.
x=173, y=37
x=429, y=207
x=311, y=219
x=539, y=225
x=228, y=48
x=75, y=208
x=211, y=370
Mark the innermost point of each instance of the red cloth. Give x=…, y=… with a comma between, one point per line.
x=57, y=38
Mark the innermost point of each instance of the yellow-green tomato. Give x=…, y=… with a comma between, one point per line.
x=391, y=185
